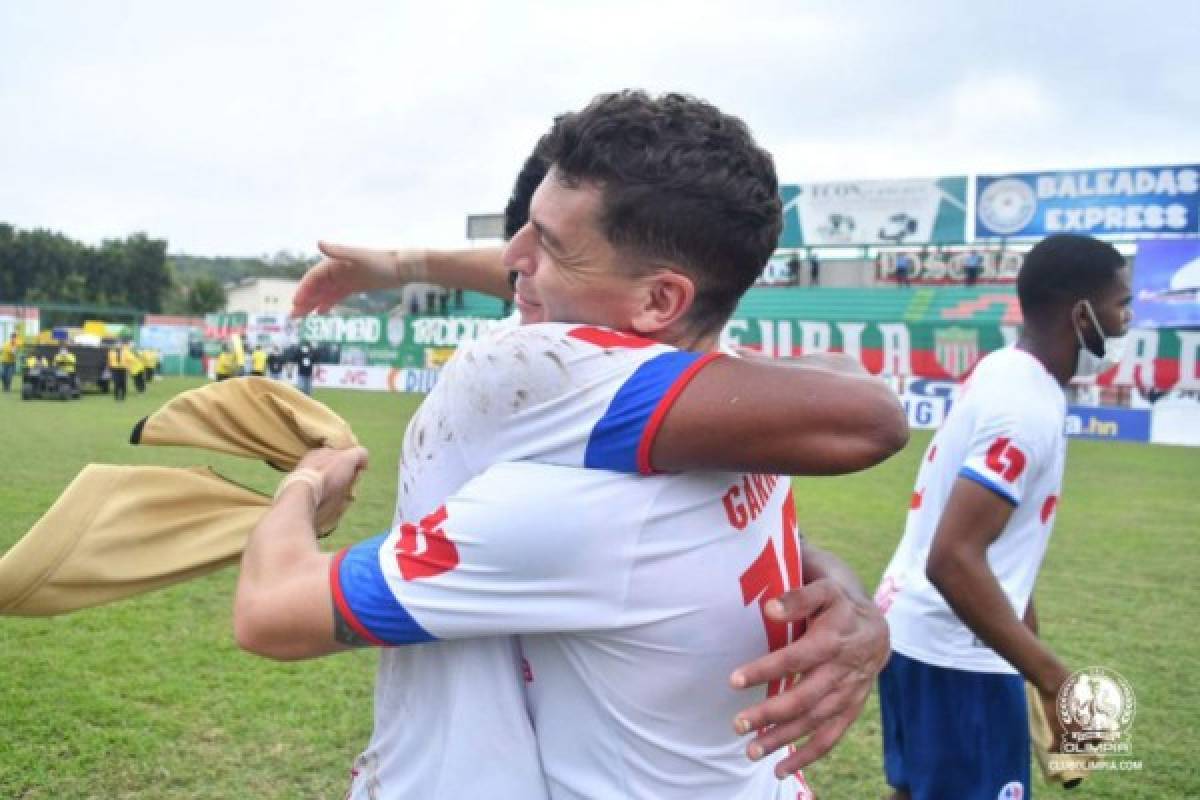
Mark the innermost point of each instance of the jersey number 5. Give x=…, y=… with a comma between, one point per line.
x=765, y=580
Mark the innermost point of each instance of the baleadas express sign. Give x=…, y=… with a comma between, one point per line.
x=1154, y=358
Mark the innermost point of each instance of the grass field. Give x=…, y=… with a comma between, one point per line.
x=150, y=699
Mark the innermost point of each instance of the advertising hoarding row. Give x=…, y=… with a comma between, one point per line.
x=1134, y=201
x=1166, y=283
x=1162, y=360
x=874, y=212
x=1118, y=201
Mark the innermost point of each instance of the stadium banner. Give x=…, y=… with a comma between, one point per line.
x=1166, y=283
x=1104, y=422
x=1161, y=359
x=941, y=269
x=1127, y=201
x=923, y=411
x=1176, y=420
x=223, y=325
x=168, y=340
x=374, y=379
x=22, y=320
x=875, y=212
x=393, y=341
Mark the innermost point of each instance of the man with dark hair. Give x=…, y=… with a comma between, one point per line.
x=958, y=593
x=569, y=269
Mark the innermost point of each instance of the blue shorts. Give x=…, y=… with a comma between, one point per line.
x=949, y=734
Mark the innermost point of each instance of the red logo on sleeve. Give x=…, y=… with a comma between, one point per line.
x=1005, y=459
x=424, y=550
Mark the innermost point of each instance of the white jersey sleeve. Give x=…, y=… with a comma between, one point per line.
x=1011, y=442
x=468, y=571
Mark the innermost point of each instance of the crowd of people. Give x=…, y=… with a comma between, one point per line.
x=299, y=361
x=122, y=362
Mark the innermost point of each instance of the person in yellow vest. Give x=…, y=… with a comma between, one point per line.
x=226, y=363
x=8, y=361
x=258, y=361
x=149, y=360
x=64, y=360
x=135, y=367
x=118, y=372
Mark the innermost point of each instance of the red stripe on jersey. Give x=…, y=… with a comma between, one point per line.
x=1048, y=507
x=335, y=585
x=605, y=337
x=660, y=412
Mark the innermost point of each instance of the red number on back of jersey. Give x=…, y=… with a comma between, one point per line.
x=765, y=580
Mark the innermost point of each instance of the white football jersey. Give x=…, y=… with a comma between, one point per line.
x=451, y=717
x=1006, y=432
x=636, y=597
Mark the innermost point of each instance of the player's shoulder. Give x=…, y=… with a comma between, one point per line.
x=1011, y=389
x=557, y=346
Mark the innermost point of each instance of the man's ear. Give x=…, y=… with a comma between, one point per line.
x=666, y=297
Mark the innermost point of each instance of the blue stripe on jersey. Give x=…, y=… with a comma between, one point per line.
x=614, y=440
x=362, y=589
x=988, y=483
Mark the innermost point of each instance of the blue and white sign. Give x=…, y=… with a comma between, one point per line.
x=1130, y=201
x=1113, y=424
x=1166, y=283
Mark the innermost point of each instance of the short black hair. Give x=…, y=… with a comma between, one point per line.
x=682, y=184
x=533, y=171
x=1063, y=269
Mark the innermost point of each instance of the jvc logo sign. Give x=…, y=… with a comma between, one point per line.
x=354, y=377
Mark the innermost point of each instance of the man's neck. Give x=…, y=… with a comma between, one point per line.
x=1057, y=352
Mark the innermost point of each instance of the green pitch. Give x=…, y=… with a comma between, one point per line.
x=150, y=699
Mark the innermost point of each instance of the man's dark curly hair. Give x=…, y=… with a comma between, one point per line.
x=682, y=184
x=516, y=212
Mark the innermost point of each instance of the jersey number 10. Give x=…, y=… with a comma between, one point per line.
x=766, y=580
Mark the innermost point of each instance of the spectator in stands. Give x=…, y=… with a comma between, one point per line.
x=793, y=270
x=814, y=269
x=973, y=267
x=904, y=264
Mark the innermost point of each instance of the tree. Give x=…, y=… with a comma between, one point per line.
x=205, y=295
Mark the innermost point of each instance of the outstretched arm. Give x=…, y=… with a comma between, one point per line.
x=820, y=415
x=344, y=270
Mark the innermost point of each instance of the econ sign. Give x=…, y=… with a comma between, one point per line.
x=1123, y=202
x=915, y=211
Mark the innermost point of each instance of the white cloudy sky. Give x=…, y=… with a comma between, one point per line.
x=235, y=127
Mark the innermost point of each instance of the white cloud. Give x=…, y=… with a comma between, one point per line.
x=233, y=127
